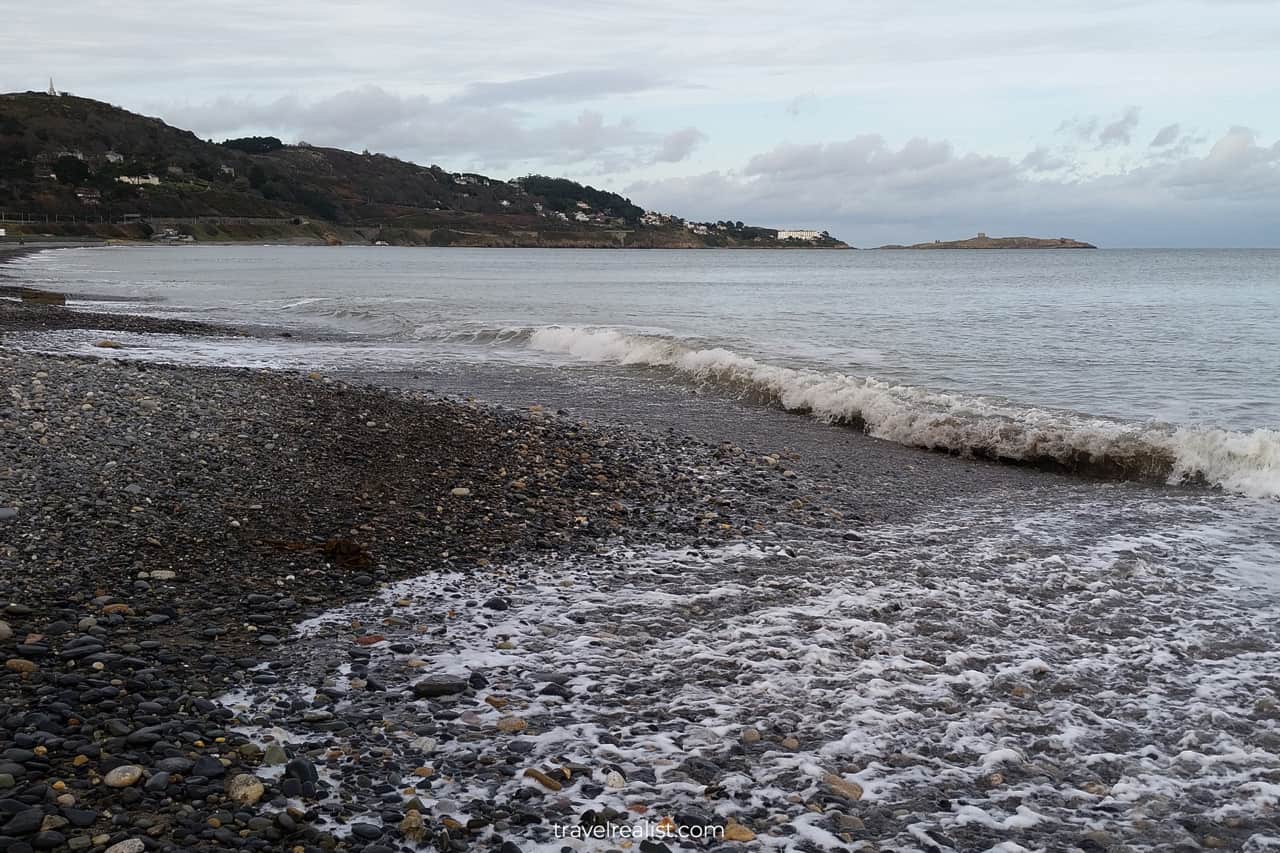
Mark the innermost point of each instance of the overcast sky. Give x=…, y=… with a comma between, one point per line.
x=1122, y=122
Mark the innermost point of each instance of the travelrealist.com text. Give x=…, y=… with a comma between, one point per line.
x=644, y=830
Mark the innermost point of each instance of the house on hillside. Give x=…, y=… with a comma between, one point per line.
x=89, y=197
x=798, y=234
x=139, y=180
x=581, y=217
x=113, y=157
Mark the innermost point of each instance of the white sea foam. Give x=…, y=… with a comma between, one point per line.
x=1150, y=711
x=1245, y=462
x=966, y=424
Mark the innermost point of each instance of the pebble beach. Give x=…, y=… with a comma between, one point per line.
x=163, y=530
x=285, y=610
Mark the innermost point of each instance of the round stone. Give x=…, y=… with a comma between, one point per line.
x=245, y=789
x=131, y=845
x=123, y=777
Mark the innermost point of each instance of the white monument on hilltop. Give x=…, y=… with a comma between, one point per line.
x=53, y=93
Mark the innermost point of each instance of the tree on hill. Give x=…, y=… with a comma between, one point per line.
x=254, y=144
x=70, y=170
x=563, y=195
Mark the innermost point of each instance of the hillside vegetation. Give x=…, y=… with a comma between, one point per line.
x=79, y=166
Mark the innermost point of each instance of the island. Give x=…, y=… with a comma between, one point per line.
x=982, y=241
x=77, y=168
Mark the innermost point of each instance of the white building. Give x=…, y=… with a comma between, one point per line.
x=113, y=157
x=798, y=234
x=139, y=180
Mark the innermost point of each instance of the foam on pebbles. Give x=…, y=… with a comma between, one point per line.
x=993, y=678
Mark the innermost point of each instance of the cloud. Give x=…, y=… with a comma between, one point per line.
x=1167, y=135
x=679, y=145
x=1236, y=165
x=482, y=131
x=1120, y=131
x=1043, y=160
x=864, y=155
x=870, y=192
x=801, y=104
x=565, y=87
x=1081, y=128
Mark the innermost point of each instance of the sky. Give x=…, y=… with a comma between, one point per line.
x=1124, y=122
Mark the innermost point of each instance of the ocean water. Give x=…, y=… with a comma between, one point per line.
x=1157, y=365
x=1076, y=660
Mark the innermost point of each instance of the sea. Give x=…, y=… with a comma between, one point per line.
x=1068, y=636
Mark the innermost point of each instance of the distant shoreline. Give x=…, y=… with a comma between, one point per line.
x=982, y=241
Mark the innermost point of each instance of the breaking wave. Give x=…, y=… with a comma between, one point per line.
x=962, y=424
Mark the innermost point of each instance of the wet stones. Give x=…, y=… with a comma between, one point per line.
x=436, y=686
x=413, y=827
x=366, y=831
x=177, y=764
x=843, y=788
x=208, y=767
x=542, y=779
x=140, y=691
x=302, y=770
x=24, y=822
x=700, y=769
x=511, y=725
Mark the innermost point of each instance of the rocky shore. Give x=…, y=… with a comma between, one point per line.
x=163, y=530
x=269, y=610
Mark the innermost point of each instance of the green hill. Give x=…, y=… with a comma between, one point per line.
x=78, y=166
